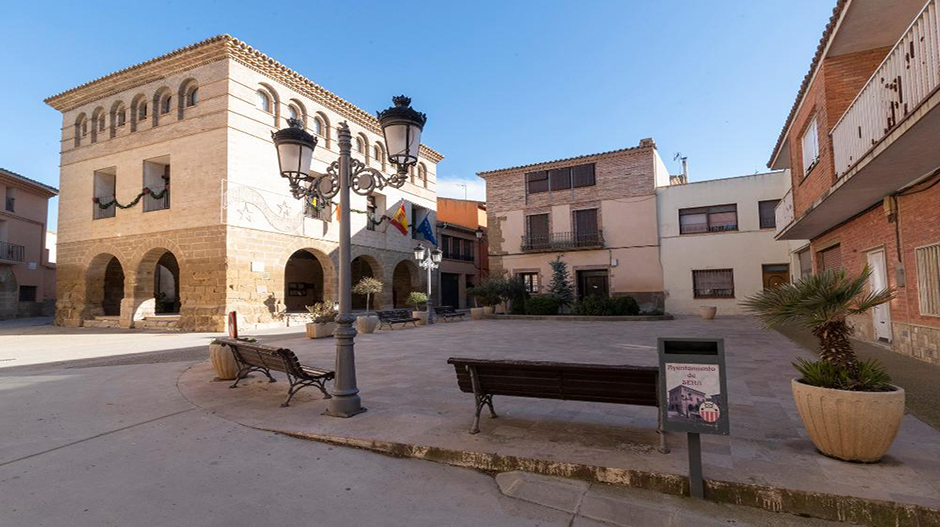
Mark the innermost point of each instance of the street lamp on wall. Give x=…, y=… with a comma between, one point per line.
x=402, y=126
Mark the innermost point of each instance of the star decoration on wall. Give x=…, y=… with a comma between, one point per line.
x=244, y=214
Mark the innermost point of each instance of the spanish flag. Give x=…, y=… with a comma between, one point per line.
x=400, y=219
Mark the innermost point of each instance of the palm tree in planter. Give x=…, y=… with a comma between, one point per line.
x=367, y=286
x=849, y=407
x=416, y=298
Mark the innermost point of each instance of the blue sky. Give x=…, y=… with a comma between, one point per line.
x=503, y=83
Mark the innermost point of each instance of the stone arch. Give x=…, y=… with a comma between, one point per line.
x=8, y=293
x=406, y=278
x=105, y=286
x=162, y=101
x=145, y=277
x=325, y=253
x=97, y=123
x=138, y=110
x=186, y=96
x=307, y=279
x=118, y=115
x=364, y=265
x=327, y=131
x=81, y=128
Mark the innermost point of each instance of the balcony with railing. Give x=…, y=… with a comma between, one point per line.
x=11, y=253
x=783, y=213
x=562, y=241
x=886, y=138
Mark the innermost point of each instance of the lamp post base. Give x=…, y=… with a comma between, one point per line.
x=345, y=409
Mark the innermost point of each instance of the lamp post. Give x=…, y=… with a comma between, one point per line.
x=401, y=126
x=429, y=260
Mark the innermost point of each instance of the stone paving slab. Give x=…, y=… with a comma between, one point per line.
x=414, y=404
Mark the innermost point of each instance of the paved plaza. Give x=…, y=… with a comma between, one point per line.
x=416, y=409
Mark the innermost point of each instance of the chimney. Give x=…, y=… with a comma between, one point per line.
x=683, y=178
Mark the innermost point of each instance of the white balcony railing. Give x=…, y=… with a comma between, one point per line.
x=906, y=77
x=783, y=214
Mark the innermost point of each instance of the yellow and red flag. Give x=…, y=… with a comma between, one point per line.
x=400, y=219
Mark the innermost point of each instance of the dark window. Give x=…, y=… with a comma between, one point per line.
x=537, y=225
x=585, y=227
x=713, y=283
x=531, y=281
x=561, y=178
x=165, y=107
x=445, y=246
x=370, y=213
x=537, y=182
x=592, y=283
x=583, y=175
x=10, y=200
x=806, y=264
x=768, y=219
x=27, y=293
x=718, y=218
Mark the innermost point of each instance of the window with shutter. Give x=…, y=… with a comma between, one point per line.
x=713, y=283
x=810, y=144
x=537, y=182
x=766, y=210
x=561, y=178
x=537, y=231
x=928, y=279
x=585, y=227
x=830, y=258
x=583, y=175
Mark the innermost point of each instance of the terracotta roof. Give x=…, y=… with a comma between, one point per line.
x=820, y=48
x=29, y=181
x=645, y=143
x=211, y=50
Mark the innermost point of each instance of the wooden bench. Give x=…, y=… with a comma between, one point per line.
x=395, y=316
x=256, y=357
x=635, y=385
x=447, y=313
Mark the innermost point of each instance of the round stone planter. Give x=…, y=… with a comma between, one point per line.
x=367, y=323
x=320, y=330
x=226, y=369
x=500, y=309
x=487, y=310
x=422, y=317
x=851, y=426
x=708, y=312
x=476, y=313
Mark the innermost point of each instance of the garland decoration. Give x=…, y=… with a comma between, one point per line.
x=316, y=204
x=147, y=191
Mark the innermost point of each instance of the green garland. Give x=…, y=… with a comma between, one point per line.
x=369, y=216
x=146, y=191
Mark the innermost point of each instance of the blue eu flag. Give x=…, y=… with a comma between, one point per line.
x=427, y=231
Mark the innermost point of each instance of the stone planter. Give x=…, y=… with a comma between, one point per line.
x=422, y=316
x=226, y=369
x=500, y=309
x=852, y=426
x=708, y=312
x=320, y=330
x=476, y=313
x=487, y=310
x=367, y=323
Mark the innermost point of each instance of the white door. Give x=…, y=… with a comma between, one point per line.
x=881, y=315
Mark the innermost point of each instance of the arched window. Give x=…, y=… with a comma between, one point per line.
x=97, y=123
x=380, y=154
x=318, y=126
x=423, y=175
x=193, y=97
x=118, y=117
x=81, y=128
x=375, y=153
x=143, y=112
x=292, y=112
x=165, y=104
x=101, y=123
x=186, y=97
x=322, y=128
x=359, y=145
x=263, y=101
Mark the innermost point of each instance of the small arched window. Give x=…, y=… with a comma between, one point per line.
x=101, y=123
x=375, y=153
x=84, y=128
x=143, y=112
x=193, y=97
x=264, y=101
x=292, y=112
x=423, y=175
x=121, y=116
x=318, y=126
x=359, y=146
x=165, y=104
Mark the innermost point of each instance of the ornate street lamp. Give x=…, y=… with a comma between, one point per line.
x=401, y=126
x=429, y=260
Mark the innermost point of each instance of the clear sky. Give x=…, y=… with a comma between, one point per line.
x=503, y=83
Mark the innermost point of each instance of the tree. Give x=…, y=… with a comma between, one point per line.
x=416, y=298
x=368, y=286
x=560, y=286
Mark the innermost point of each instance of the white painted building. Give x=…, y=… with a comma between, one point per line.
x=717, y=243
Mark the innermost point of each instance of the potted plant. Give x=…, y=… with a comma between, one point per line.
x=708, y=312
x=849, y=407
x=323, y=325
x=367, y=286
x=223, y=361
x=476, y=312
x=416, y=298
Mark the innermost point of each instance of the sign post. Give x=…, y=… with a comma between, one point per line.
x=693, y=395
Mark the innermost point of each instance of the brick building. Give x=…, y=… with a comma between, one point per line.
x=27, y=265
x=860, y=141
x=137, y=251
x=598, y=211
x=465, y=261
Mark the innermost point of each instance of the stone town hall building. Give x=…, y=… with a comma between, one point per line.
x=214, y=229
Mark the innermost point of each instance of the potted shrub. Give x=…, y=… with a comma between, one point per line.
x=223, y=361
x=324, y=316
x=367, y=286
x=849, y=407
x=416, y=298
x=488, y=294
x=476, y=312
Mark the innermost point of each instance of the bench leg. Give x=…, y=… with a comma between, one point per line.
x=489, y=402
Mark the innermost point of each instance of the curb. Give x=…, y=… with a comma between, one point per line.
x=832, y=507
x=582, y=318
